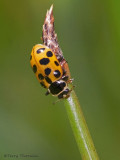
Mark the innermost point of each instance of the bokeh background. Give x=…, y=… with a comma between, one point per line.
x=89, y=35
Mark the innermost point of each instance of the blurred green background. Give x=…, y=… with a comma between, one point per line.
x=89, y=35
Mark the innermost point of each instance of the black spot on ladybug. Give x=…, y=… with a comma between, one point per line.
x=48, y=80
x=57, y=73
x=40, y=50
x=30, y=57
x=44, y=61
x=49, y=54
x=56, y=63
x=47, y=71
x=40, y=76
x=42, y=84
x=34, y=68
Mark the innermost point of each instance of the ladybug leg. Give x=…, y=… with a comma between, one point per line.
x=47, y=93
x=64, y=71
x=60, y=58
x=56, y=101
x=70, y=80
x=65, y=78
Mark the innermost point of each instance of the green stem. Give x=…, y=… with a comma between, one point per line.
x=80, y=129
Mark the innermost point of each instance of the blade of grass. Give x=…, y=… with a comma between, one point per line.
x=74, y=111
x=80, y=129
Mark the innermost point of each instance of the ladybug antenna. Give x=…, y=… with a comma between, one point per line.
x=56, y=101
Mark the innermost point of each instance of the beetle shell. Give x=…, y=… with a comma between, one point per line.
x=45, y=65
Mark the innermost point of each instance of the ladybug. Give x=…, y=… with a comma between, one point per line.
x=49, y=71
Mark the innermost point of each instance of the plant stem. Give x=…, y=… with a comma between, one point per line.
x=80, y=129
